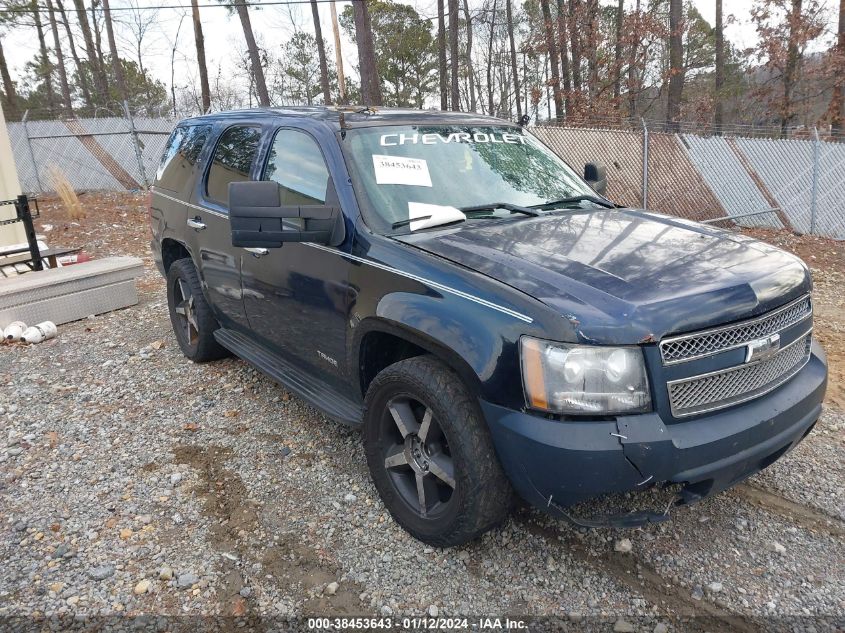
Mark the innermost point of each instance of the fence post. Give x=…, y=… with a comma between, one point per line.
x=815, y=191
x=645, y=164
x=31, y=153
x=136, y=143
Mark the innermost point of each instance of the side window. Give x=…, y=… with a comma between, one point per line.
x=232, y=160
x=180, y=155
x=296, y=163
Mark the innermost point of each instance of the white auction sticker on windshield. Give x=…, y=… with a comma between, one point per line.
x=399, y=170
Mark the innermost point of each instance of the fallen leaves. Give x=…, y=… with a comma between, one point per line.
x=191, y=426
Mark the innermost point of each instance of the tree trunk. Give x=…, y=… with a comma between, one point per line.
x=338, y=58
x=100, y=83
x=370, y=82
x=254, y=57
x=718, y=111
x=441, y=55
x=490, y=105
x=633, y=83
x=117, y=66
x=617, y=57
x=199, y=40
x=45, y=65
x=575, y=43
x=12, y=108
x=565, y=72
x=676, y=61
x=60, y=61
x=837, y=104
x=321, y=53
x=592, y=49
x=791, y=69
x=83, y=79
x=470, y=72
x=98, y=42
x=455, y=92
x=509, y=15
x=549, y=30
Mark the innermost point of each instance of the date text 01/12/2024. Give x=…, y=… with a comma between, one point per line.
x=416, y=624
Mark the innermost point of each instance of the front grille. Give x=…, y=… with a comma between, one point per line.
x=679, y=349
x=728, y=387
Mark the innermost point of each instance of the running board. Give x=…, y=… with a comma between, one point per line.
x=329, y=401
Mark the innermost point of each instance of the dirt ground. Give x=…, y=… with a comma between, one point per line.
x=135, y=482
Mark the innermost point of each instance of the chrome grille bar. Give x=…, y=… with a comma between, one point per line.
x=725, y=388
x=687, y=347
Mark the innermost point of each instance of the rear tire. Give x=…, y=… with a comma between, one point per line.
x=191, y=317
x=430, y=454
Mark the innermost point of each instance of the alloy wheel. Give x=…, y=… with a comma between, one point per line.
x=184, y=308
x=417, y=456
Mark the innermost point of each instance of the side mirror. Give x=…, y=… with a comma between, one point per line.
x=258, y=218
x=596, y=176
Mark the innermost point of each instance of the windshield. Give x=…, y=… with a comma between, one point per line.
x=432, y=172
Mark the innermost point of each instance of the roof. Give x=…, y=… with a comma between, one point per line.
x=361, y=116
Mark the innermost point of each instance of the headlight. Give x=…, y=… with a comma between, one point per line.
x=564, y=378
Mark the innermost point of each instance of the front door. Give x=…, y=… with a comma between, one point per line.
x=296, y=296
x=233, y=159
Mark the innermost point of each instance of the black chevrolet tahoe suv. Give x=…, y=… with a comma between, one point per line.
x=494, y=324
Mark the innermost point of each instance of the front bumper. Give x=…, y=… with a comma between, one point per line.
x=553, y=464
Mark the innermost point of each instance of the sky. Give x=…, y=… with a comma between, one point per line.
x=272, y=25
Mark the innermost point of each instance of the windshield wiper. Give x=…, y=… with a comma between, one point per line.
x=401, y=223
x=492, y=206
x=551, y=204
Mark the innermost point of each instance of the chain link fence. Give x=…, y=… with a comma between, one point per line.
x=798, y=184
x=736, y=177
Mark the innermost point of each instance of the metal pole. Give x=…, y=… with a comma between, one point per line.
x=31, y=153
x=645, y=164
x=136, y=143
x=25, y=215
x=815, y=194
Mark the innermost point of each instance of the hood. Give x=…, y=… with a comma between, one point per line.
x=625, y=276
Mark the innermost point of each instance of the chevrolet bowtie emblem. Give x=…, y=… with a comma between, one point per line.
x=762, y=348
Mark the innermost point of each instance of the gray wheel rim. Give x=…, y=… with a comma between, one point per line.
x=185, y=311
x=417, y=457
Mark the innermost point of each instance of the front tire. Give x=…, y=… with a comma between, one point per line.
x=430, y=454
x=191, y=317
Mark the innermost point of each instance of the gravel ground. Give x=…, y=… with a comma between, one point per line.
x=135, y=482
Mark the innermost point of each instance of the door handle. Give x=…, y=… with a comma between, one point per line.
x=196, y=223
x=257, y=252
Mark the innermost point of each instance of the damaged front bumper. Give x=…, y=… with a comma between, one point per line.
x=554, y=464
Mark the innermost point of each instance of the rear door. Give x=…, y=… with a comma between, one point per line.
x=296, y=296
x=232, y=159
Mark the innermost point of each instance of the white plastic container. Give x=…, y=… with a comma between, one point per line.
x=40, y=332
x=14, y=331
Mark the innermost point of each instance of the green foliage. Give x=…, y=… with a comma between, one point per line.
x=405, y=47
x=300, y=71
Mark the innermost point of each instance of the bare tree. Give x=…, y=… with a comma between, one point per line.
x=60, y=61
x=254, y=57
x=617, y=55
x=676, y=63
x=44, y=65
x=718, y=110
x=13, y=110
x=514, y=73
x=790, y=71
x=592, y=52
x=173, y=64
x=117, y=65
x=441, y=55
x=551, y=46
x=575, y=14
x=100, y=81
x=469, y=67
x=837, y=104
x=83, y=77
x=321, y=54
x=338, y=57
x=455, y=92
x=199, y=41
x=370, y=82
x=633, y=77
x=565, y=72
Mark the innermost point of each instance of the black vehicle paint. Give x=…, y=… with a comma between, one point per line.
x=467, y=293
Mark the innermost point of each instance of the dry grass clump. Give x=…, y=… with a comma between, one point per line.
x=59, y=181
